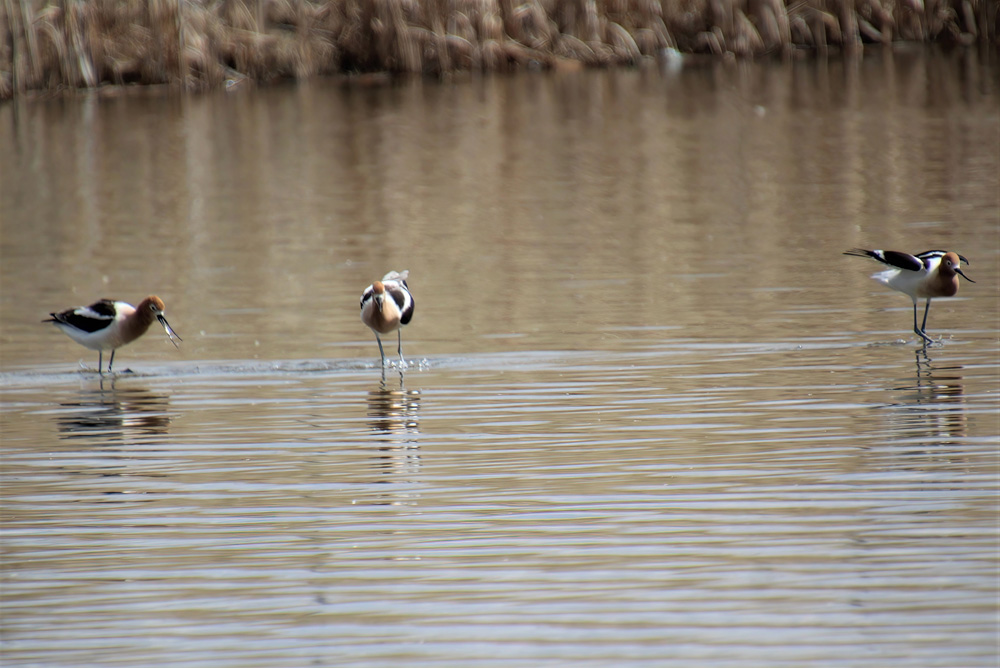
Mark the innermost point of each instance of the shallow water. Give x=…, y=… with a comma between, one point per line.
x=652, y=415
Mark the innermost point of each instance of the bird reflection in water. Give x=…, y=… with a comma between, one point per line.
x=933, y=408
x=114, y=414
x=393, y=418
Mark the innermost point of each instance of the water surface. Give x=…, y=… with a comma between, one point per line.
x=652, y=415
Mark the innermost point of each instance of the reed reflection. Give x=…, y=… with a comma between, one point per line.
x=393, y=417
x=114, y=414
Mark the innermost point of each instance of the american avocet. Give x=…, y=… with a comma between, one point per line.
x=926, y=275
x=109, y=325
x=385, y=315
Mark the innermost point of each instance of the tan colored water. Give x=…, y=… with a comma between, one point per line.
x=654, y=417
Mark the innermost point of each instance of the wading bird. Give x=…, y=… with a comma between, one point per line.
x=109, y=325
x=926, y=275
x=387, y=305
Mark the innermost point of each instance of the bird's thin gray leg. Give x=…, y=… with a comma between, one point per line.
x=923, y=327
x=916, y=330
x=380, y=351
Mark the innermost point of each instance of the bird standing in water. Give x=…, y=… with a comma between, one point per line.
x=109, y=325
x=926, y=275
x=387, y=305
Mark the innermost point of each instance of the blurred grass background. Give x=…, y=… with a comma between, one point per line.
x=54, y=44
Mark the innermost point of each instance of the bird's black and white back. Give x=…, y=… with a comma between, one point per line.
x=920, y=262
x=89, y=319
x=395, y=285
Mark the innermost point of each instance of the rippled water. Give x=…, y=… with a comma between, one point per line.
x=730, y=504
x=672, y=426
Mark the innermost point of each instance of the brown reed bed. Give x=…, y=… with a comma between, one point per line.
x=55, y=44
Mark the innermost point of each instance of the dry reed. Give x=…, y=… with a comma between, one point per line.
x=51, y=44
